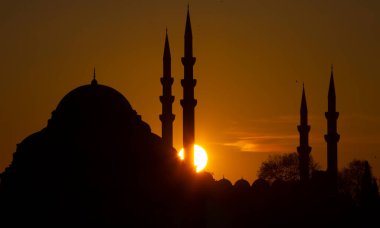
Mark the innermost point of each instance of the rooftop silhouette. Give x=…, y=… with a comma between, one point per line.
x=97, y=163
x=95, y=153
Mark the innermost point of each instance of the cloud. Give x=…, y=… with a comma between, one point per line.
x=264, y=143
x=269, y=134
x=243, y=145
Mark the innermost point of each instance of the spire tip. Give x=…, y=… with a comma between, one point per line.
x=94, y=82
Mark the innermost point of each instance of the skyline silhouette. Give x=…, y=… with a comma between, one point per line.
x=98, y=163
x=260, y=67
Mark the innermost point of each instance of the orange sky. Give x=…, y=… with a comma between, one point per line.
x=250, y=54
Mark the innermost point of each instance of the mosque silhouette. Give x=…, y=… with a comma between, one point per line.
x=97, y=163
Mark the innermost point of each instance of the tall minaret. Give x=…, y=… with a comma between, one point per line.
x=304, y=149
x=332, y=137
x=188, y=102
x=167, y=99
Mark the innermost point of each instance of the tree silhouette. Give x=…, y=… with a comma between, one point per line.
x=283, y=167
x=357, y=181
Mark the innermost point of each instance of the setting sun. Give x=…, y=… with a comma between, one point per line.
x=200, y=157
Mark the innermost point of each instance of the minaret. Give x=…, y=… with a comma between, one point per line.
x=332, y=137
x=167, y=99
x=188, y=102
x=304, y=149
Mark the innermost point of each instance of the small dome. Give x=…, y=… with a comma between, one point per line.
x=242, y=184
x=224, y=183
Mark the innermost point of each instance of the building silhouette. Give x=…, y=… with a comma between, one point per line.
x=167, y=117
x=304, y=149
x=188, y=102
x=332, y=136
x=96, y=162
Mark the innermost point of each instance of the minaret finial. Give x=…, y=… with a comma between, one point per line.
x=188, y=36
x=331, y=94
x=94, y=82
x=167, y=48
x=188, y=13
x=188, y=24
x=303, y=106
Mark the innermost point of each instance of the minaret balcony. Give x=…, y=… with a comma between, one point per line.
x=167, y=80
x=332, y=115
x=304, y=149
x=188, y=60
x=188, y=103
x=332, y=138
x=303, y=128
x=167, y=117
x=188, y=82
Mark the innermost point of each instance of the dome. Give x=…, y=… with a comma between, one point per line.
x=224, y=183
x=89, y=94
x=92, y=103
x=242, y=184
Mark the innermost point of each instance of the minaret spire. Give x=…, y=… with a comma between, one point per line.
x=303, y=110
x=94, y=82
x=331, y=95
x=167, y=54
x=304, y=149
x=332, y=137
x=167, y=99
x=188, y=36
x=188, y=102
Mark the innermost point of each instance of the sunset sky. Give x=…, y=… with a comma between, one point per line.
x=252, y=57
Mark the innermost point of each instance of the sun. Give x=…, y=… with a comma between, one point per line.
x=200, y=157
